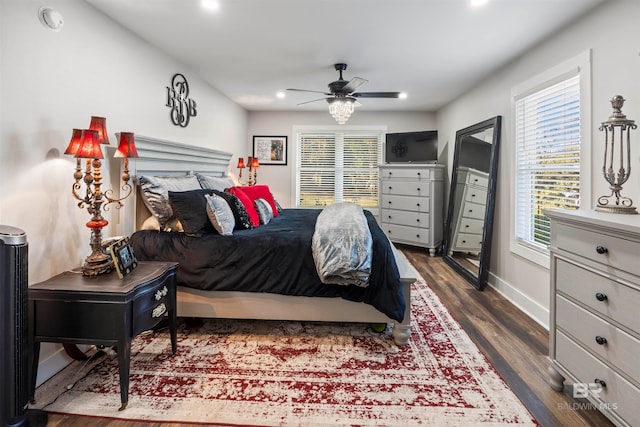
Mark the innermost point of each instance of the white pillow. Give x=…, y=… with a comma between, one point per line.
x=155, y=193
x=220, y=214
x=220, y=183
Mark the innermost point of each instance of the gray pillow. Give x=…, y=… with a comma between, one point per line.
x=220, y=214
x=265, y=212
x=219, y=183
x=155, y=193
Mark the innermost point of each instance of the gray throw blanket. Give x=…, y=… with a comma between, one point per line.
x=342, y=245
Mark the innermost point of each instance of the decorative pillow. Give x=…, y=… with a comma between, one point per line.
x=220, y=214
x=239, y=212
x=278, y=207
x=155, y=193
x=264, y=210
x=152, y=223
x=263, y=192
x=247, y=202
x=190, y=208
x=219, y=183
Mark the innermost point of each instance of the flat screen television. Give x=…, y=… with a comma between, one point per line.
x=412, y=147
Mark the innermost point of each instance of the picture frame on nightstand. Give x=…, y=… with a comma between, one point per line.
x=124, y=260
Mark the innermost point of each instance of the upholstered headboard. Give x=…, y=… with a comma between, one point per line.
x=165, y=158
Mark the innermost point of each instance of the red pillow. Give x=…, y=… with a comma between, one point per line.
x=247, y=203
x=261, y=192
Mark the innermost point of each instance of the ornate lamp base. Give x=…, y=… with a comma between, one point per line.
x=617, y=209
x=95, y=266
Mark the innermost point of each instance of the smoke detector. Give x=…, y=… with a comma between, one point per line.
x=51, y=18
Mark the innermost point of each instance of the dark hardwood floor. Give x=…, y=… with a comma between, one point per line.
x=515, y=345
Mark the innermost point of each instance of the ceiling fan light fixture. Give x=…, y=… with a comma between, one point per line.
x=341, y=109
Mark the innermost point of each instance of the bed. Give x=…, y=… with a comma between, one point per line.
x=367, y=305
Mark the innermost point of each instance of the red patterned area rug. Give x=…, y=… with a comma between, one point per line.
x=291, y=373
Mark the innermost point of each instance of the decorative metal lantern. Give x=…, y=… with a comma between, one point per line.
x=617, y=148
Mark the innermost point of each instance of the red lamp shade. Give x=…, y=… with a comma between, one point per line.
x=241, y=163
x=127, y=145
x=76, y=138
x=254, y=163
x=89, y=147
x=99, y=124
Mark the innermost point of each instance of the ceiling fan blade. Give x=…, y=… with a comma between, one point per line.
x=376, y=95
x=353, y=84
x=314, y=91
x=314, y=100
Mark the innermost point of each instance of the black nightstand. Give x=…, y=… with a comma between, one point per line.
x=74, y=309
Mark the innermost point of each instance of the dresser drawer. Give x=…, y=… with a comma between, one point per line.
x=151, y=307
x=406, y=188
x=392, y=216
x=619, y=301
x=401, y=233
x=468, y=242
x=406, y=173
x=408, y=203
x=476, y=195
x=619, y=395
x=620, y=253
x=473, y=210
x=471, y=225
x=620, y=349
x=477, y=180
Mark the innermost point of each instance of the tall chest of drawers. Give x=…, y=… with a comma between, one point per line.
x=471, y=194
x=411, y=204
x=595, y=300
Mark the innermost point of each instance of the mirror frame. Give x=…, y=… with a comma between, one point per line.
x=479, y=281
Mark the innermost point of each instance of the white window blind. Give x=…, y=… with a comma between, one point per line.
x=335, y=167
x=547, y=133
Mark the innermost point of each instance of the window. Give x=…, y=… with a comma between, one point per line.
x=337, y=166
x=548, y=133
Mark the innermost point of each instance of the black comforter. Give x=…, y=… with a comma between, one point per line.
x=273, y=258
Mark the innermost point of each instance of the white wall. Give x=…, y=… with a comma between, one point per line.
x=612, y=34
x=51, y=82
x=280, y=178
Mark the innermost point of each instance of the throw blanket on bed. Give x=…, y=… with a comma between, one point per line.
x=342, y=245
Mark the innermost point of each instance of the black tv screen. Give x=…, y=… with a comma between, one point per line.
x=412, y=147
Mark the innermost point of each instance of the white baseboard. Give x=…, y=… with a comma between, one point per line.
x=531, y=308
x=53, y=359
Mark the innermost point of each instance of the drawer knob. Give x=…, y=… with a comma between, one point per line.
x=601, y=382
x=418, y=188
x=601, y=297
x=389, y=216
x=418, y=204
x=418, y=220
x=601, y=340
x=389, y=187
x=601, y=250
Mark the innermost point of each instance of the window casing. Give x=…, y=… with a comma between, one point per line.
x=550, y=128
x=335, y=166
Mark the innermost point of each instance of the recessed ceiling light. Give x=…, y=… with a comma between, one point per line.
x=403, y=95
x=280, y=95
x=478, y=3
x=210, y=5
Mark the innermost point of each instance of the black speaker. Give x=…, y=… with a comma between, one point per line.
x=14, y=357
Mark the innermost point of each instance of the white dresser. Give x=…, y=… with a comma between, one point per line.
x=595, y=310
x=411, y=204
x=471, y=198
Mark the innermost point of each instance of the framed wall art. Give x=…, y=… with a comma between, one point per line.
x=270, y=150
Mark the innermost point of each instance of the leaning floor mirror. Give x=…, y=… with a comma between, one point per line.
x=467, y=241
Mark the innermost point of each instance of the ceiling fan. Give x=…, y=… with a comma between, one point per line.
x=342, y=95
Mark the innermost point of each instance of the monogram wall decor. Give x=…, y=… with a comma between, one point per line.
x=182, y=107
